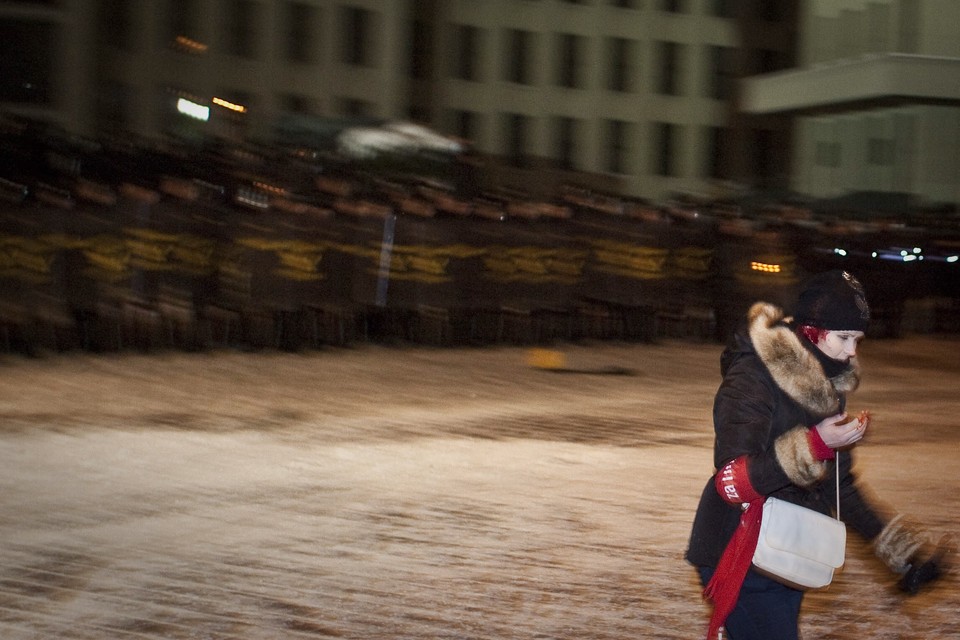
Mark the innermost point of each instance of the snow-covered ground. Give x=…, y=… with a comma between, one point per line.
x=388, y=492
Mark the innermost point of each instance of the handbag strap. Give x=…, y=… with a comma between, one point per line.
x=836, y=466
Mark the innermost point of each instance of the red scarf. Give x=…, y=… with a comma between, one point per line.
x=724, y=586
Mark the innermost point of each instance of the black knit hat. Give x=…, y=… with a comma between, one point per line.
x=835, y=301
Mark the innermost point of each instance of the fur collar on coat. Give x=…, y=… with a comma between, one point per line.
x=794, y=369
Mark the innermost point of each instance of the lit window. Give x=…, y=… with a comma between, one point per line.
x=765, y=267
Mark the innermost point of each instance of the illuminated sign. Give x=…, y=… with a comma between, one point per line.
x=765, y=267
x=192, y=109
x=232, y=106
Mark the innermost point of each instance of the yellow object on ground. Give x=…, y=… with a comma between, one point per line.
x=546, y=359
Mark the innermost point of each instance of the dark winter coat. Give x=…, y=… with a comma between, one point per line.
x=773, y=390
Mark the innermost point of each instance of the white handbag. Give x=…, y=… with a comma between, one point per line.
x=798, y=546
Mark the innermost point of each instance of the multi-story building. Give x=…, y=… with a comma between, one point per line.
x=640, y=91
x=875, y=99
x=45, y=61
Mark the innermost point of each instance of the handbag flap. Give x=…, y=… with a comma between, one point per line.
x=804, y=532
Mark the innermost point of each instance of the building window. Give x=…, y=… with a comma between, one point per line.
x=465, y=124
x=295, y=103
x=181, y=24
x=465, y=61
x=665, y=148
x=673, y=6
x=301, y=29
x=767, y=147
x=466, y=58
x=621, y=67
x=569, y=52
x=565, y=135
x=720, y=62
x=241, y=30
x=827, y=154
x=112, y=107
x=517, y=126
x=773, y=10
x=419, y=113
x=616, y=145
x=713, y=150
x=880, y=151
x=355, y=108
x=114, y=24
x=26, y=66
x=518, y=60
x=772, y=60
x=723, y=8
x=669, y=56
x=356, y=31
x=421, y=50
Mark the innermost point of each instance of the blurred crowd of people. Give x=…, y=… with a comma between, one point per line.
x=626, y=267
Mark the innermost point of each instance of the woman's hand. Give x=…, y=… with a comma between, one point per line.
x=842, y=430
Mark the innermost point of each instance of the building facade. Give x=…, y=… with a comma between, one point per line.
x=875, y=99
x=641, y=91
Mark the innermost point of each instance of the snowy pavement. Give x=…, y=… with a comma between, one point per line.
x=417, y=493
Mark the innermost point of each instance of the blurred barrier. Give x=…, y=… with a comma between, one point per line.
x=163, y=273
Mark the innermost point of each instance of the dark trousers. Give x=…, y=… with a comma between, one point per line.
x=765, y=610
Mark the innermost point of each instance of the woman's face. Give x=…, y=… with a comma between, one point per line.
x=840, y=345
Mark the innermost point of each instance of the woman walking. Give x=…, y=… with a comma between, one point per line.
x=781, y=427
